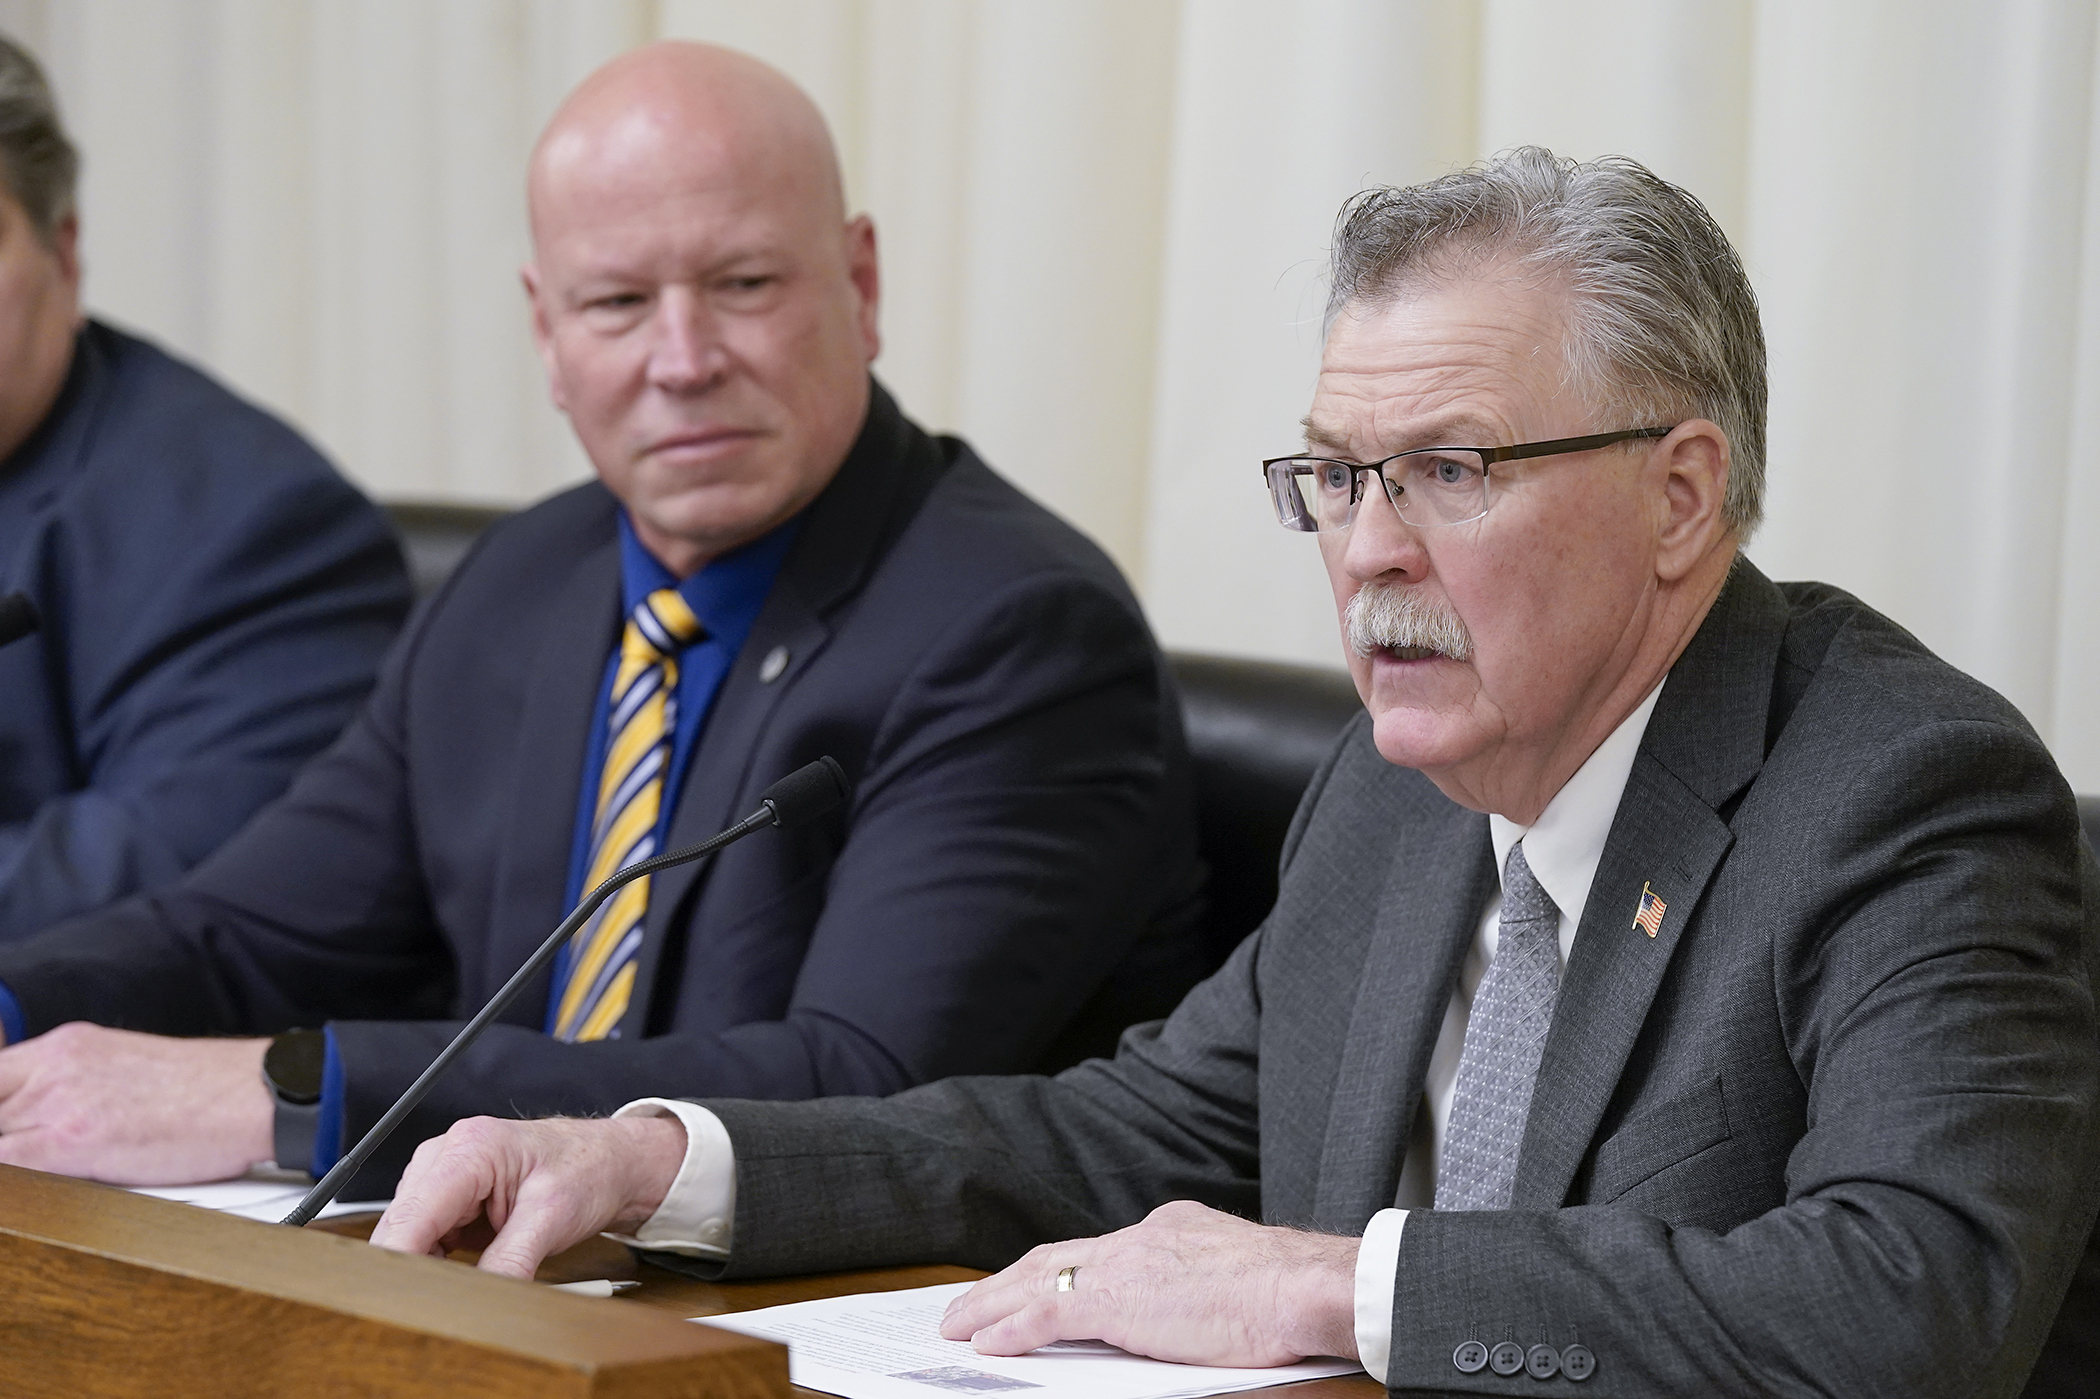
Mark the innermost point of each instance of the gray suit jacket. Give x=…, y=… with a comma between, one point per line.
x=1831, y=1130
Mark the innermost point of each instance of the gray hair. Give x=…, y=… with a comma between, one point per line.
x=1663, y=324
x=38, y=163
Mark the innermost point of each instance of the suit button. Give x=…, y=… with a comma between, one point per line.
x=1506, y=1358
x=1542, y=1362
x=1577, y=1363
x=1470, y=1357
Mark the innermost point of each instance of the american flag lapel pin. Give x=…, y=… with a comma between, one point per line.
x=1649, y=916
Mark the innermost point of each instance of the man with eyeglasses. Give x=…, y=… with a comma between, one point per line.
x=1679, y=981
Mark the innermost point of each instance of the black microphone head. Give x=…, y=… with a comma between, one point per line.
x=807, y=792
x=18, y=617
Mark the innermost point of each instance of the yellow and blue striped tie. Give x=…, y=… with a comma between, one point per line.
x=644, y=715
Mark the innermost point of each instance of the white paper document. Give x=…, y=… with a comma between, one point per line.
x=265, y=1195
x=887, y=1345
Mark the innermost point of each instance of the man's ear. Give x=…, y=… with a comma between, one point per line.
x=865, y=272
x=542, y=333
x=65, y=244
x=1689, y=473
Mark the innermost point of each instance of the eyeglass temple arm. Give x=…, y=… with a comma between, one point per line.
x=1491, y=455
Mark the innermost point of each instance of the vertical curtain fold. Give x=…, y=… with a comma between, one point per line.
x=1103, y=225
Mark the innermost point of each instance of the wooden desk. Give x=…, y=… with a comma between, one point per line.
x=117, y=1295
x=601, y=1258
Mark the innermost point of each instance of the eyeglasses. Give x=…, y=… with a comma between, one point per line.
x=1429, y=486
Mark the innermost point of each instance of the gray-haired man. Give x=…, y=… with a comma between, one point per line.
x=1678, y=980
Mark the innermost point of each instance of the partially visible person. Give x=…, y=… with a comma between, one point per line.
x=215, y=597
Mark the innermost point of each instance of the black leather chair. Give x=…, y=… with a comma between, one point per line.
x=1256, y=730
x=436, y=537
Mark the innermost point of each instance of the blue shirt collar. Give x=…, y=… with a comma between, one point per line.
x=726, y=595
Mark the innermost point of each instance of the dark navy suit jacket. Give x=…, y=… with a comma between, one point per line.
x=1016, y=865
x=216, y=602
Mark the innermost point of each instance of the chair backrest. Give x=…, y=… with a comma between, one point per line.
x=1257, y=731
x=435, y=537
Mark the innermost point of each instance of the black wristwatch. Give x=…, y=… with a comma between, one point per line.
x=292, y=1071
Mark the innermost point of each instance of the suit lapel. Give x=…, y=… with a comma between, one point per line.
x=568, y=666
x=1663, y=840
x=1426, y=920
x=719, y=781
x=878, y=489
x=1704, y=744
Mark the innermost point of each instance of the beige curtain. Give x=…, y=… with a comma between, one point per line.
x=1103, y=222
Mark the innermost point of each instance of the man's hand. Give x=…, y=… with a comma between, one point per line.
x=1187, y=1284
x=134, y=1109
x=538, y=1186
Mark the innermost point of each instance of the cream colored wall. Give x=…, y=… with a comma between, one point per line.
x=1103, y=224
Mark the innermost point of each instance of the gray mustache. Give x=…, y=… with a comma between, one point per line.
x=1388, y=614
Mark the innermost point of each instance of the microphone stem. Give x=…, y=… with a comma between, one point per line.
x=326, y=1188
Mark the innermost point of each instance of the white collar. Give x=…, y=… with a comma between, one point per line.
x=1565, y=844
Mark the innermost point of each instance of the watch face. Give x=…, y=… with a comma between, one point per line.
x=292, y=1065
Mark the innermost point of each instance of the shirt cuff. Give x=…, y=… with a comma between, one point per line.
x=698, y=1214
x=1377, y=1268
x=328, y=1129
x=12, y=1028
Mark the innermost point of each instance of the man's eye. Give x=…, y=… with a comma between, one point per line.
x=618, y=301
x=747, y=284
x=1335, y=477
x=1448, y=471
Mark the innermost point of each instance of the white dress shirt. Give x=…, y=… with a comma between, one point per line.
x=1563, y=848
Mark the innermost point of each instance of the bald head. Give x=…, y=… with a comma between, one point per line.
x=696, y=109
x=705, y=308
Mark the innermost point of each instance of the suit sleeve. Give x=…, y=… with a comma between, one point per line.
x=316, y=908
x=202, y=648
x=976, y=1171
x=1005, y=848
x=1938, y=1010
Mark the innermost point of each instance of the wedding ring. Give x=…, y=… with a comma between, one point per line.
x=1065, y=1276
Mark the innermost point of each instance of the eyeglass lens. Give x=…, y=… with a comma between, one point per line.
x=1444, y=486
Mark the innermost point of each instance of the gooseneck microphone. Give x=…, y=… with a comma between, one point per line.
x=803, y=795
x=18, y=617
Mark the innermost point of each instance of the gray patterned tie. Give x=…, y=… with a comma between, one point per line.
x=1505, y=1036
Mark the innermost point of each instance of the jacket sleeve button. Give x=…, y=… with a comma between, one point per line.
x=1577, y=1363
x=1542, y=1362
x=1471, y=1357
x=1506, y=1358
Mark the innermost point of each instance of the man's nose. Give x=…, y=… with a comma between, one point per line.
x=1379, y=544
x=686, y=353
